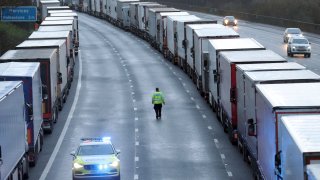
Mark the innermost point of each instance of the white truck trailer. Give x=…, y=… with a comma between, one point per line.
x=48, y=59
x=75, y=27
x=201, y=56
x=300, y=147
x=162, y=32
x=247, y=143
x=215, y=47
x=29, y=73
x=273, y=101
x=153, y=22
x=182, y=42
x=13, y=143
x=66, y=35
x=172, y=33
x=143, y=12
x=133, y=8
x=123, y=17
x=228, y=60
x=190, y=44
x=43, y=6
x=61, y=46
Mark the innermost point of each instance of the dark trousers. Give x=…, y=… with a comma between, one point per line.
x=157, y=109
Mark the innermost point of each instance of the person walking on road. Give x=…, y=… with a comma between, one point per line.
x=157, y=101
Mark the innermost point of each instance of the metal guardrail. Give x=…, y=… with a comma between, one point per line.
x=305, y=26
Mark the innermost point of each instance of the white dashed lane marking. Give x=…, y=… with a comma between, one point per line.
x=223, y=156
x=209, y=127
x=197, y=106
x=136, y=177
x=136, y=159
x=137, y=143
x=229, y=174
x=136, y=119
x=136, y=130
x=204, y=116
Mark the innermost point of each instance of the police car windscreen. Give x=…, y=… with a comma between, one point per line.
x=92, y=150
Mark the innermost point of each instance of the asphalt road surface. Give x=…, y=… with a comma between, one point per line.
x=116, y=74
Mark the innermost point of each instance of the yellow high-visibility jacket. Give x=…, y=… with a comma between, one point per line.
x=157, y=98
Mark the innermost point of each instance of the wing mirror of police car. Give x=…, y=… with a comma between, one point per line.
x=73, y=153
x=118, y=151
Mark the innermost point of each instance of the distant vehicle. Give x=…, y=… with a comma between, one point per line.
x=230, y=20
x=291, y=32
x=298, y=45
x=96, y=158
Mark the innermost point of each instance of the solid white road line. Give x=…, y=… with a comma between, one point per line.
x=66, y=125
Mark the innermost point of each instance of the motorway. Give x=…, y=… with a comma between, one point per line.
x=116, y=74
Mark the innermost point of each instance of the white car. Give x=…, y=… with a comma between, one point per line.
x=291, y=32
x=298, y=45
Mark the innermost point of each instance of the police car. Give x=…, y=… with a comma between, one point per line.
x=95, y=158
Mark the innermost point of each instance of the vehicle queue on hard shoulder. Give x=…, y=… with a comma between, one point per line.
x=269, y=107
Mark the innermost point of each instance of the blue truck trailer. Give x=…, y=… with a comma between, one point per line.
x=29, y=74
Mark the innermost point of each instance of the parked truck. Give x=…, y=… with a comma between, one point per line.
x=228, y=60
x=75, y=26
x=13, y=143
x=273, y=102
x=48, y=59
x=299, y=147
x=190, y=28
x=61, y=46
x=162, y=37
x=65, y=35
x=153, y=22
x=123, y=12
x=215, y=47
x=246, y=143
x=43, y=6
x=29, y=74
x=201, y=39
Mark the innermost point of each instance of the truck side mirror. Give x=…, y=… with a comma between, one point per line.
x=44, y=92
x=206, y=59
x=185, y=43
x=29, y=109
x=232, y=95
x=59, y=75
x=0, y=156
x=277, y=162
x=251, y=128
x=215, y=75
x=175, y=35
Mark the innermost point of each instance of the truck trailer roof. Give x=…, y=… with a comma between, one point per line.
x=7, y=86
x=25, y=54
x=41, y=43
x=49, y=34
x=235, y=44
x=252, y=55
x=305, y=75
x=56, y=28
x=205, y=26
x=58, y=22
x=216, y=32
x=57, y=7
x=270, y=66
x=164, y=9
x=304, y=129
x=186, y=18
x=58, y=18
x=18, y=69
x=174, y=13
x=73, y=14
x=291, y=95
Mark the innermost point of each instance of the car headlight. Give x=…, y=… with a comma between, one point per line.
x=294, y=48
x=289, y=35
x=309, y=48
x=226, y=21
x=77, y=165
x=114, y=164
x=235, y=21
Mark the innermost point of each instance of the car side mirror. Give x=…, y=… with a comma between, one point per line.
x=309, y=42
x=73, y=153
x=289, y=42
x=118, y=151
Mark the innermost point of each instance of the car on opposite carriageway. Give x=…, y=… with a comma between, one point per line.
x=299, y=45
